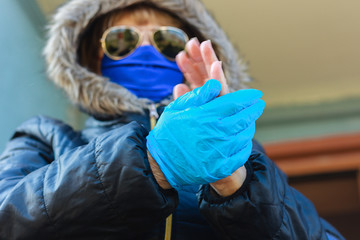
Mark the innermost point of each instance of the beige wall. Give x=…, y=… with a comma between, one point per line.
x=299, y=52
x=48, y=6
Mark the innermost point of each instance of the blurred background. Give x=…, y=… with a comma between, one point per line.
x=304, y=55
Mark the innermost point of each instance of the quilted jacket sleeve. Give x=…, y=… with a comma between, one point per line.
x=265, y=207
x=53, y=186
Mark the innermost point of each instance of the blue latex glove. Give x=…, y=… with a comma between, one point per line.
x=200, y=138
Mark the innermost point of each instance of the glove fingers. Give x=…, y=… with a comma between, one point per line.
x=240, y=158
x=224, y=148
x=197, y=97
x=232, y=103
x=232, y=144
x=243, y=119
x=230, y=164
x=240, y=140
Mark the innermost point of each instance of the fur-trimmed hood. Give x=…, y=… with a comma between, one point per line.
x=96, y=94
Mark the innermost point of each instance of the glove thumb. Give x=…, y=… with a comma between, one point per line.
x=199, y=96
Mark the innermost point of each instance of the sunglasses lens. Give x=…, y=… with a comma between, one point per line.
x=170, y=41
x=119, y=42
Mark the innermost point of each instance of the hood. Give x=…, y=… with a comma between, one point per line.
x=94, y=93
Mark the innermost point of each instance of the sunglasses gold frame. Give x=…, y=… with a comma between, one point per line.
x=141, y=37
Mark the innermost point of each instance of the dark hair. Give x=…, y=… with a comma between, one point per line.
x=89, y=41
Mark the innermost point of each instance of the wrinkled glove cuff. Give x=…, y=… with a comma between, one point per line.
x=160, y=159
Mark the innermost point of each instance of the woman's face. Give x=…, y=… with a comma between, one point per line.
x=145, y=24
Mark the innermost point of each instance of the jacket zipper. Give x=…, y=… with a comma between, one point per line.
x=154, y=116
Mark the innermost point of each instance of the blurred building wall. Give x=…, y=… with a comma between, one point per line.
x=304, y=56
x=24, y=90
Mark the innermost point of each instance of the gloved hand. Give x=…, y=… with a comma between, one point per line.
x=200, y=138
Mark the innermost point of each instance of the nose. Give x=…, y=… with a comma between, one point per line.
x=146, y=38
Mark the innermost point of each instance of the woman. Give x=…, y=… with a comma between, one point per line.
x=116, y=60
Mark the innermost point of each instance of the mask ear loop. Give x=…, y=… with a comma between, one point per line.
x=103, y=42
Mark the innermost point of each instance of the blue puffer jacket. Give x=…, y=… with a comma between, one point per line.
x=57, y=183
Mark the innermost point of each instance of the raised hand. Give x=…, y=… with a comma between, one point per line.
x=199, y=64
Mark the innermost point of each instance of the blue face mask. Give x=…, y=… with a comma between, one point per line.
x=145, y=72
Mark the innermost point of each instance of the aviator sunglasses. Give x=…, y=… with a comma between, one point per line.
x=120, y=41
